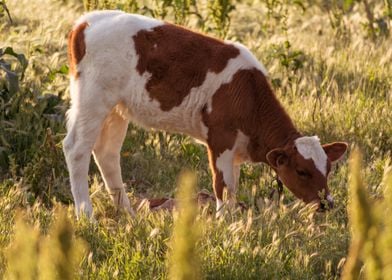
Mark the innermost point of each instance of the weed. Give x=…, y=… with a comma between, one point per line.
x=4, y=10
x=333, y=81
x=370, y=227
x=184, y=261
x=55, y=256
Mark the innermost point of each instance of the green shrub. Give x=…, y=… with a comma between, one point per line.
x=334, y=85
x=31, y=128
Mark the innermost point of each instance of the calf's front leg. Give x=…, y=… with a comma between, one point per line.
x=224, y=174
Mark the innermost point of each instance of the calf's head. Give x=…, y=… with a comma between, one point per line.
x=304, y=167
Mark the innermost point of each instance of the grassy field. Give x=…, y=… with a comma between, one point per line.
x=330, y=65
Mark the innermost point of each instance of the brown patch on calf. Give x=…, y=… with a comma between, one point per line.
x=248, y=104
x=202, y=199
x=178, y=60
x=217, y=175
x=76, y=48
x=155, y=202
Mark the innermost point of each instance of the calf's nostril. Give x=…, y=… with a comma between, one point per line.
x=330, y=201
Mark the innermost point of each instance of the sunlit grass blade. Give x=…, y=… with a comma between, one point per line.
x=61, y=253
x=358, y=209
x=22, y=255
x=184, y=261
x=387, y=236
x=364, y=227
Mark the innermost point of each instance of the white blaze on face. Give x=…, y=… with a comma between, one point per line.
x=310, y=148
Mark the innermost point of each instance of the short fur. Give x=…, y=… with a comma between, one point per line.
x=132, y=68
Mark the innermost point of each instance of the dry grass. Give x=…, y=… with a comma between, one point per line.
x=334, y=84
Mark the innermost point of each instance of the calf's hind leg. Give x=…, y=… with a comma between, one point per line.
x=106, y=152
x=77, y=145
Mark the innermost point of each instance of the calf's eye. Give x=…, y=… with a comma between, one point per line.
x=303, y=174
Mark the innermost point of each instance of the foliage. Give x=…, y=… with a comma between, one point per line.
x=219, y=14
x=371, y=231
x=4, y=10
x=54, y=256
x=29, y=126
x=291, y=61
x=375, y=25
x=183, y=258
x=268, y=241
x=209, y=16
x=333, y=79
x=11, y=85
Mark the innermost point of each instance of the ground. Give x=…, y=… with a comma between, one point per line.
x=334, y=81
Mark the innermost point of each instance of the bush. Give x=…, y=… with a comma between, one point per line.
x=31, y=128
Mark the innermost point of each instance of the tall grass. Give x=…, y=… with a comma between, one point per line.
x=371, y=245
x=333, y=79
x=184, y=259
x=56, y=255
x=209, y=16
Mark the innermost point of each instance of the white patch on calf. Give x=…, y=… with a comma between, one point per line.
x=248, y=58
x=219, y=205
x=310, y=148
x=225, y=164
x=220, y=209
x=117, y=17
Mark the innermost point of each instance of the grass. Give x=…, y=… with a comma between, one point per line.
x=334, y=84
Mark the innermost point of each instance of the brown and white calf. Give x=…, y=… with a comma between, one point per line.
x=158, y=75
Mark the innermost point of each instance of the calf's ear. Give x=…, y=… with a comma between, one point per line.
x=277, y=157
x=335, y=150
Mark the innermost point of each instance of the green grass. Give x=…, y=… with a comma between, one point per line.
x=333, y=85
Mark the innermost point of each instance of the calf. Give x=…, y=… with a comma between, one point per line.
x=158, y=75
